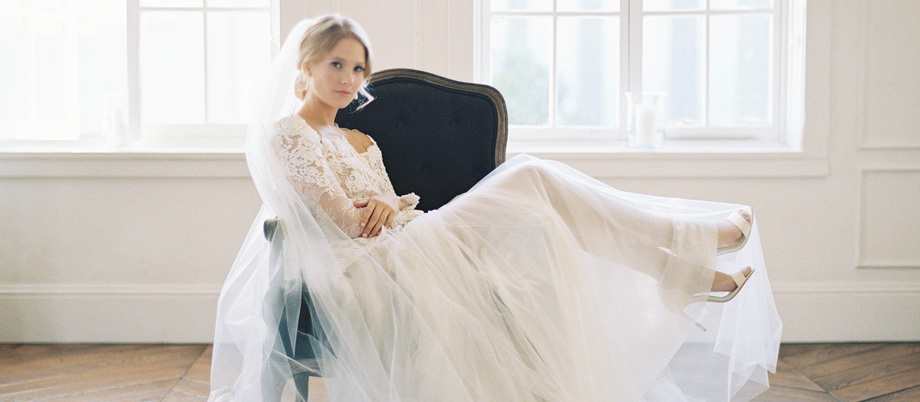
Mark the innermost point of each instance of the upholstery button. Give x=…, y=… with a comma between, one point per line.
x=399, y=124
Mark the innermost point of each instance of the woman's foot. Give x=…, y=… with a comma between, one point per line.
x=724, y=283
x=729, y=283
x=734, y=231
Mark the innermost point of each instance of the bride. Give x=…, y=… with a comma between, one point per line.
x=540, y=283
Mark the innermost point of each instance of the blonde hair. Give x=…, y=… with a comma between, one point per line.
x=320, y=38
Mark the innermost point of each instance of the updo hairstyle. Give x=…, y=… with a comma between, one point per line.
x=320, y=38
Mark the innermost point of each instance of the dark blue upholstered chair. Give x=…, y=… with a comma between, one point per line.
x=438, y=137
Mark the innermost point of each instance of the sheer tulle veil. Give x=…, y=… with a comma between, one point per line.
x=246, y=362
x=463, y=304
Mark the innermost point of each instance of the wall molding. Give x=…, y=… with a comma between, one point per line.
x=221, y=165
x=865, y=81
x=864, y=259
x=848, y=289
x=133, y=313
x=848, y=312
x=31, y=289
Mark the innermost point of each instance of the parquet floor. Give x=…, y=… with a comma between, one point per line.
x=806, y=372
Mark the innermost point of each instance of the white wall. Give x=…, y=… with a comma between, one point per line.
x=113, y=247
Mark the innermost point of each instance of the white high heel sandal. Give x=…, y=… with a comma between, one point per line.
x=737, y=219
x=740, y=280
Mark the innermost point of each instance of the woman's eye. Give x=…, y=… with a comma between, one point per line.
x=359, y=69
x=336, y=64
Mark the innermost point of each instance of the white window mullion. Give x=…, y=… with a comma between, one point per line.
x=552, y=71
x=635, y=18
x=704, y=87
x=625, y=60
x=483, y=64
x=780, y=58
x=204, y=64
x=134, y=86
x=32, y=61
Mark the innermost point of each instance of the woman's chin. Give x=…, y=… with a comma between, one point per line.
x=344, y=103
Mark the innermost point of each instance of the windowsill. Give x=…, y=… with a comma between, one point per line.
x=680, y=159
x=669, y=147
x=676, y=159
x=123, y=162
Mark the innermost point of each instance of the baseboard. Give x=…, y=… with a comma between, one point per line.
x=879, y=312
x=185, y=314
x=108, y=313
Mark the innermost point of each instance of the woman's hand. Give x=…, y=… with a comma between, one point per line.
x=379, y=211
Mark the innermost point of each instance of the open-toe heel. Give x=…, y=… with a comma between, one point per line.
x=737, y=219
x=740, y=279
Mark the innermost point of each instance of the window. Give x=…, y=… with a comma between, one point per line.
x=143, y=71
x=731, y=69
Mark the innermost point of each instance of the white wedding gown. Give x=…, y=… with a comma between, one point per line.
x=539, y=284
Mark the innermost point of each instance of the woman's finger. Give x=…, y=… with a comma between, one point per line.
x=390, y=218
x=374, y=220
x=369, y=208
x=384, y=221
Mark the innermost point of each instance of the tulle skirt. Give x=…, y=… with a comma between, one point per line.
x=539, y=284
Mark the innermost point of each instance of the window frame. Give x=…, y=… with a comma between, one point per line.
x=207, y=137
x=784, y=134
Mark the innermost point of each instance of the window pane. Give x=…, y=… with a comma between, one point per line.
x=14, y=76
x=740, y=70
x=673, y=61
x=587, y=60
x=238, y=53
x=521, y=59
x=238, y=3
x=588, y=5
x=59, y=58
x=673, y=5
x=172, y=3
x=54, y=72
x=172, y=67
x=47, y=4
x=102, y=62
x=11, y=5
x=741, y=4
x=521, y=5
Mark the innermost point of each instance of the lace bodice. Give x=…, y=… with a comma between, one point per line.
x=328, y=172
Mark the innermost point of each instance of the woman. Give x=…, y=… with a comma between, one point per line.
x=540, y=283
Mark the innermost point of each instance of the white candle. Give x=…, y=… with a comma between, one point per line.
x=646, y=122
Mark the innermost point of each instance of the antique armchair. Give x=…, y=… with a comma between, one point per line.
x=438, y=137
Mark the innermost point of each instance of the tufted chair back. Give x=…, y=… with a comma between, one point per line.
x=438, y=136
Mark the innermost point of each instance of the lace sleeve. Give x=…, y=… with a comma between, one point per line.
x=408, y=201
x=306, y=168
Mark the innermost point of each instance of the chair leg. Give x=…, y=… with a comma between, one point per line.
x=302, y=385
x=272, y=379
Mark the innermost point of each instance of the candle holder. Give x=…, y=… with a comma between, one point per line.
x=645, y=119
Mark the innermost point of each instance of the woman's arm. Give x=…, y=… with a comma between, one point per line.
x=306, y=168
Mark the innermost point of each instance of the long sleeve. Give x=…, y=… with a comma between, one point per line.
x=308, y=171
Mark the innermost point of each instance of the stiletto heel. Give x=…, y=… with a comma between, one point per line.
x=737, y=219
x=740, y=280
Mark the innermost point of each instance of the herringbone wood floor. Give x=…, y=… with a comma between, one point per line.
x=852, y=371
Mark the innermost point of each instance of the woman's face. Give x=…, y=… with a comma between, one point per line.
x=336, y=77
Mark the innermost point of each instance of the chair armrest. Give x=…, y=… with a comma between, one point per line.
x=269, y=227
